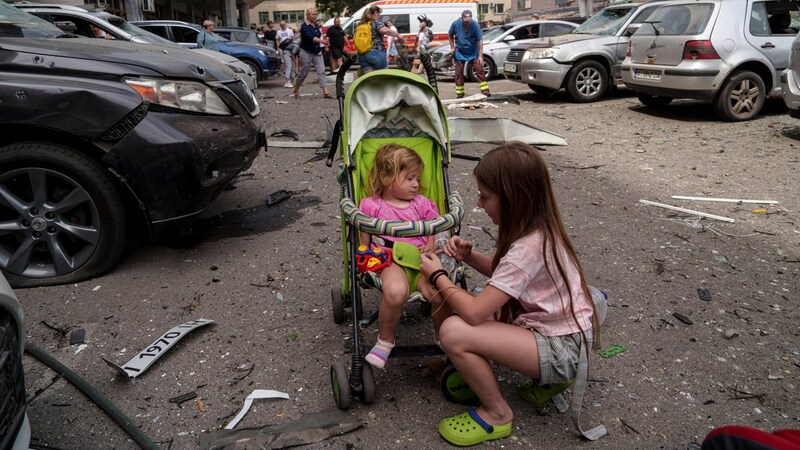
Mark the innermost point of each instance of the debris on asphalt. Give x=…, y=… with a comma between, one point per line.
x=758, y=211
x=77, y=336
x=739, y=394
x=688, y=211
x=498, y=130
x=704, y=294
x=727, y=200
x=471, y=105
x=286, y=133
x=308, y=429
x=277, y=197
x=200, y=405
x=139, y=363
x=730, y=333
x=682, y=318
x=612, y=350
x=183, y=398
x=248, y=402
x=243, y=368
x=774, y=376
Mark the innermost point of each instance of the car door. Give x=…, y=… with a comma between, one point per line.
x=769, y=36
x=554, y=29
x=185, y=36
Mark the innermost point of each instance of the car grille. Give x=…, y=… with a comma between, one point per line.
x=243, y=94
x=515, y=56
x=12, y=385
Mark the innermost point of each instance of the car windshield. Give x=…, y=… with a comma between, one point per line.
x=606, y=22
x=144, y=35
x=16, y=23
x=495, y=32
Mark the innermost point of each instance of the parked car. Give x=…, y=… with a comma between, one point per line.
x=72, y=19
x=99, y=138
x=238, y=34
x=585, y=62
x=729, y=53
x=497, y=42
x=264, y=60
x=15, y=430
x=790, y=80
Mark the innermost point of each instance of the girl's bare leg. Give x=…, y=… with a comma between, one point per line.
x=394, y=296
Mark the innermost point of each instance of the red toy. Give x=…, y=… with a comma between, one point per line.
x=372, y=260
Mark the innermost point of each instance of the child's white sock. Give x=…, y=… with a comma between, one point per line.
x=379, y=354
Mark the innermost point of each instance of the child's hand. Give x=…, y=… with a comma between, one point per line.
x=457, y=248
x=429, y=263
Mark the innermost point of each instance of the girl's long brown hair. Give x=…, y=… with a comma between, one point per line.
x=369, y=14
x=518, y=174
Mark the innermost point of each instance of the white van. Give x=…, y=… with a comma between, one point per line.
x=404, y=14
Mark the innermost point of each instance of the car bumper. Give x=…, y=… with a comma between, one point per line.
x=176, y=164
x=543, y=72
x=790, y=90
x=270, y=67
x=701, y=81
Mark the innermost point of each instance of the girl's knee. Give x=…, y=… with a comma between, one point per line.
x=395, y=294
x=453, y=330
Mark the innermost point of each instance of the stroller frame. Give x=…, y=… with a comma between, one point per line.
x=360, y=382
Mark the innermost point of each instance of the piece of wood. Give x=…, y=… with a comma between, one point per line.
x=727, y=200
x=688, y=211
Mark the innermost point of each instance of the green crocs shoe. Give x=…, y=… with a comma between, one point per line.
x=469, y=429
x=539, y=395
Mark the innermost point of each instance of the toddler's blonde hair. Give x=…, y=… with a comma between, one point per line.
x=390, y=161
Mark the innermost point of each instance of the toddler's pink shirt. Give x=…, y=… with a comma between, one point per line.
x=521, y=274
x=420, y=208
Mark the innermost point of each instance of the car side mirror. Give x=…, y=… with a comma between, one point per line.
x=510, y=37
x=632, y=28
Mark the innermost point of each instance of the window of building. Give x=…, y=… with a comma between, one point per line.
x=263, y=17
x=497, y=8
x=521, y=5
x=289, y=16
x=483, y=8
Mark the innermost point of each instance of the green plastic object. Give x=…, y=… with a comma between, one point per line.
x=612, y=350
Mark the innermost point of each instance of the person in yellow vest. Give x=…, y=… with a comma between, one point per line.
x=466, y=45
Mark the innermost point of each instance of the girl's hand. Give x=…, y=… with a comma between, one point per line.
x=457, y=248
x=429, y=263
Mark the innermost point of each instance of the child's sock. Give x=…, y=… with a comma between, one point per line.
x=379, y=354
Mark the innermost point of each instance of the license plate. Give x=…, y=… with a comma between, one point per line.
x=509, y=67
x=647, y=74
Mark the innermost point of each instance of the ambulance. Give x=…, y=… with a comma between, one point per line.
x=404, y=14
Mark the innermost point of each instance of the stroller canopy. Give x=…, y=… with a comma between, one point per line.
x=389, y=94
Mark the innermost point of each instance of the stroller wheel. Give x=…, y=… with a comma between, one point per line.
x=341, y=385
x=337, y=305
x=455, y=389
x=368, y=383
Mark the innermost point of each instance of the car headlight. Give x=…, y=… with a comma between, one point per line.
x=541, y=53
x=273, y=53
x=184, y=95
x=263, y=53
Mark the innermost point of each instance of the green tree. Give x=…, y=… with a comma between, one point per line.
x=333, y=8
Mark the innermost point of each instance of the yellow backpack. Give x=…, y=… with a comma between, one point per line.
x=363, y=38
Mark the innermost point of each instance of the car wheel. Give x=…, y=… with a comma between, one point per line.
x=488, y=69
x=654, y=101
x=587, y=82
x=63, y=219
x=741, y=97
x=255, y=69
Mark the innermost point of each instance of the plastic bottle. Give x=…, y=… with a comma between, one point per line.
x=600, y=300
x=448, y=263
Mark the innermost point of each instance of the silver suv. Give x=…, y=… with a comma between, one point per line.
x=790, y=81
x=585, y=62
x=728, y=52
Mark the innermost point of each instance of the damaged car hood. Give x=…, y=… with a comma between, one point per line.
x=151, y=59
x=563, y=39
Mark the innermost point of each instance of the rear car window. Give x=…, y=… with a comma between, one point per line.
x=774, y=18
x=677, y=20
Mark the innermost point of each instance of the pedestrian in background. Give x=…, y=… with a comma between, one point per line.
x=311, y=44
x=375, y=58
x=283, y=39
x=207, y=38
x=336, y=38
x=391, y=49
x=466, y=46
x=270, y=34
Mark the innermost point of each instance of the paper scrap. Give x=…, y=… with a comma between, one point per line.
x=248, y=402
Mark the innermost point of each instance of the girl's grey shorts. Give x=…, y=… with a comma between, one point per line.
x=558, y=356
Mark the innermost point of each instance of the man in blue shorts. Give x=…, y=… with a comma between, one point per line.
x=466, y=45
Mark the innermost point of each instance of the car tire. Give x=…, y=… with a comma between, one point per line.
x=255, y=68
x=70, y=220
x=654, y=101
x=587, y=82
x=741, y=98
x=488, y=69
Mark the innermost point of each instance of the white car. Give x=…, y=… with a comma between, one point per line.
x=497, y=42
x=790, y=80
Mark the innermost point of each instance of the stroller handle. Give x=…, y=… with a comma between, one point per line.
x=342, y=71
x=372, y=225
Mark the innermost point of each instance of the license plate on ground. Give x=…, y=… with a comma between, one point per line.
x=647, y=74
x=509, y=68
